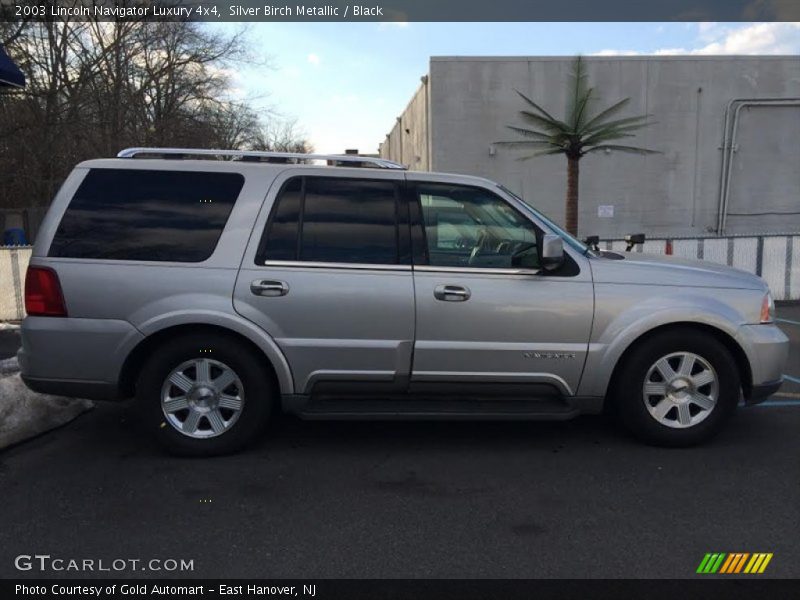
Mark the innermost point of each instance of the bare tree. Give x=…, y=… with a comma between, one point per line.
x=280, y=136
x=95, y=87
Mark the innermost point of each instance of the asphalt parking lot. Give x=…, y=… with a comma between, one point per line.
x=313, y=499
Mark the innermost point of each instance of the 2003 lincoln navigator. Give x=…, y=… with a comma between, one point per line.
x=217, y=287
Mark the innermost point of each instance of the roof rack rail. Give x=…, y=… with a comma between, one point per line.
x=253, y=155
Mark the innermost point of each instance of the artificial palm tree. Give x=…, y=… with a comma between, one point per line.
x=578, y=134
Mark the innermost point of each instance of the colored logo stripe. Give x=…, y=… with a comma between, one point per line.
x=734, y=563
x=710, y=563
x=731, y=560
x=758, y=563
x=721, y=562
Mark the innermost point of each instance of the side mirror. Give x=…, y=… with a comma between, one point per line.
x=593, y=241
x=552, y=255
x=632, y=240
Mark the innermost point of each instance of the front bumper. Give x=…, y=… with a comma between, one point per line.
x=767, y=350
x=759, y=393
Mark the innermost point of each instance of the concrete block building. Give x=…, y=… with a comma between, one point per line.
x=727, y=129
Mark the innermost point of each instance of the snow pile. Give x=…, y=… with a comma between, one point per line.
x=9, y=366
x=24, y=413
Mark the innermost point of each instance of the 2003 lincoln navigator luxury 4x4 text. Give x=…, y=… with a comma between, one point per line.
x=217, y=287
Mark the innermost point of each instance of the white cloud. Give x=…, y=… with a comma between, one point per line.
x=610, y=52
x=757, y=38
x=709, y=31
x=314, y=59
x=670, y=51
x=397, y=24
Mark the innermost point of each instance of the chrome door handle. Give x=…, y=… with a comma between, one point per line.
x=268, y=287
x=452, y=293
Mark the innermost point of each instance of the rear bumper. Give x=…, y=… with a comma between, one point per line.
x=93, y=390
x=75, y=357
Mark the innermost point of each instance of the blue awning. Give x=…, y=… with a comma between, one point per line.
x=10, y=75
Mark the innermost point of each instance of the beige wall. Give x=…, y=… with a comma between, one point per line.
x=409, y=141
x=673, y=193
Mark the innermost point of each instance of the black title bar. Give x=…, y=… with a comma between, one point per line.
x=731, y=588
x=403, y=10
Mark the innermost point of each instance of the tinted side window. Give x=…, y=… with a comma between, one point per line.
x=131, y=214
x=349, y=221
x=284, y=224
x=335, y=220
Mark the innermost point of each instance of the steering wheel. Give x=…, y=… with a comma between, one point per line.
x=480, y=244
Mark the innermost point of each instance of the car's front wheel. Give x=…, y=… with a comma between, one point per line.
x=677, y=388
x=204, y=395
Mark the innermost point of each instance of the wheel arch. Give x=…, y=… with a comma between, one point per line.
x=136, y=358
x=738, y=353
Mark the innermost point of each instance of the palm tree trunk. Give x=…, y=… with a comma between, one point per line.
x=573, y=175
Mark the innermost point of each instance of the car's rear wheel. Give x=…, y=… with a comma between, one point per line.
x=677, y=388
x=204, y=395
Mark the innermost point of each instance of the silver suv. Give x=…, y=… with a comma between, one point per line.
x=218, y=287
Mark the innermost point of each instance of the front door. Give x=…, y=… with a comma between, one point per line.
x=481, y=317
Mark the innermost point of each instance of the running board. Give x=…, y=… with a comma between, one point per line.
x=548, y=408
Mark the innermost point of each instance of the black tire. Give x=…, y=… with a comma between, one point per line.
x=629, y=399
x=257, y=380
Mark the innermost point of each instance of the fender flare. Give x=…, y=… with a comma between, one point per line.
x=262, y=340
x=603, y=357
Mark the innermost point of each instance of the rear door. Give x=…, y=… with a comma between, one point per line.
x=480, y=318
x=327, y=274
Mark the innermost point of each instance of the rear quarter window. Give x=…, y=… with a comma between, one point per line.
x=131, y=214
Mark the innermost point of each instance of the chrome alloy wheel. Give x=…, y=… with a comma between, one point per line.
x=680, y=390
x=202, y=398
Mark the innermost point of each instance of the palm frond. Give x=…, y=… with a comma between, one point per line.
x=536, y=106
x=522, y=143
x=578, y=93
x=624, y=128
x=581, y=111
x=627, y=149
x=640, y=121
x=547, y=124
x=539, y=135
x=602, y=115
x=605, y=136
x=541, y=153
x=610, y=134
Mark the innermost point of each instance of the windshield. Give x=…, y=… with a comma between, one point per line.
x=567, y=237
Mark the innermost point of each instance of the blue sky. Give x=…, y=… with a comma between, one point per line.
x=345, y=83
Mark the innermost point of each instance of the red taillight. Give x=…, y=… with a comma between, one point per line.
x=43, y=297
